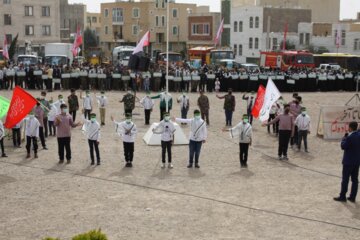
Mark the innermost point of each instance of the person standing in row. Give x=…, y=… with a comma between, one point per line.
x=250, y=101
x=204, y=105
x=45, y=106
x=64, y=122
x=198, y=135
x=73, y=103
x=16, y=135
x=148, y=105
x=2, y=135
x=244, y=131
x=91, y=129
x=102, y=102
x=286, y=131
x=87, y=104
x=229, y=106
x=303, y=125
x=39, y=114
x=127, y=131
x=167, y=129
x=184, y=102
x=129, y=102
x=351, y=162
x=32, y=127
x=295, y=110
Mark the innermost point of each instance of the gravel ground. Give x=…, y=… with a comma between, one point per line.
x=269, y=200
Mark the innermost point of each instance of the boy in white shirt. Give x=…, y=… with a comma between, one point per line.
x=87, y=104
x=103, y=102
x=148, y=105
x=58, y=103
x=51, y=118
x=127, y=131
x=166, y=128
x=2, y=135
x=198, y=135
x=184, y=102
x=91, y=129
x=302, y=121
x=32, y=126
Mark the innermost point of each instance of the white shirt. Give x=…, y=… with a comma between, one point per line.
x=2, y=130
x=32, y=127
x=243, y=131
x=102, y=101
x=198, y=130
x=183, y=101
x=52, y=113
x=166, y=129
x=303, y=122
x=91, y=129
x=87, y=103
x=127, y=131
x=147, y=102
x=57, y=105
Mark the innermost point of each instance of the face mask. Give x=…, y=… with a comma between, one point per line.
x=42, y=98
x=65, y=110
x=197, y=117
x=128, y=120
x=167, y=119
x=61, y=99
x=93, y=119
x=303, y=113
x=245, y=120
x=31, y=115
x=129, y=92
x=87, y=94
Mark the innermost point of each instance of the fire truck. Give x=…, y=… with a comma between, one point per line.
x=286, y=59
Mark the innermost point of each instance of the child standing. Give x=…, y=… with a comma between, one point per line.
x=2, y=135
x=92, y=131
x=148, y=105
x=16, y=135
x=32, y=126
x=127, y=131
x=217, y=85
x=102, y=101
x=51, y=118
x=87, y=104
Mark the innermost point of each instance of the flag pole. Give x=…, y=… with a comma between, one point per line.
x=167, y=55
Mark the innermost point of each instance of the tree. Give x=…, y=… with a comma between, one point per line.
x=90, y=39
x=289, y=45
x=12, y=47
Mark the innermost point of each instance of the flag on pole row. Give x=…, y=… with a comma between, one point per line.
x=145, y=41
x=272, y=94
x=259, y=101
x=219, y=32
x=77, y=42
x=20, y=106
x=5, y=52
x=4, y=106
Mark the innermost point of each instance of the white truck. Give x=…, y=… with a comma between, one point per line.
x=58, y=54
x=121, y=55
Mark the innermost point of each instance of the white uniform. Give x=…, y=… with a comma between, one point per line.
x=127, y=131
x=166, y=129
x=87, y=103
x=183, y=101
x=32, y=127
x=198, y=130
x=147, y=103
x=52, y=113
x=102, y=101
x=91, y=129
x=243, y=131
x=57, y=105
x=303, y=122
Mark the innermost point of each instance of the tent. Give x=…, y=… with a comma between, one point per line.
x=155, y=139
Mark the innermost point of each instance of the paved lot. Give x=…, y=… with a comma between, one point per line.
x=269, y=200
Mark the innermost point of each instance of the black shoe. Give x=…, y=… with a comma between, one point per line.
x=197, y=166
x=285, y=158
x=130, y=165
x=98, y=163
x=61, y=161
x=45, y=148
x=351, y=199
x=127, y=164
x=189, y=166
x=245, y=165
x=92, y=163
x=68, y=161
x=339, y=199
x=4, y=155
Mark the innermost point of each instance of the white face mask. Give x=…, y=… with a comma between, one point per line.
x=167, y=119
x=128, y=121
x=197, y=117
x=65, y=110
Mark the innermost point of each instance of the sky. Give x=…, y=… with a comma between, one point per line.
x=349, y=8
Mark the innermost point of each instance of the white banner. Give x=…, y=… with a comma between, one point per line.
x=272, y=94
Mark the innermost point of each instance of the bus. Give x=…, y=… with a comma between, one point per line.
x=217, y=55
x=286, y=59
x=347, y=61
x=121, y=55
x=174, y=57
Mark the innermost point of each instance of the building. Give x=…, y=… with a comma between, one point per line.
x=124, y=23
x=255, y=29
x=37, y=22
x=93, y=22
x=72, y=16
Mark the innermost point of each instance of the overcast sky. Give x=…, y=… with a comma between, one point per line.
x=349, y=8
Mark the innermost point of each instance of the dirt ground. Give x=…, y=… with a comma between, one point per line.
x=269, y=200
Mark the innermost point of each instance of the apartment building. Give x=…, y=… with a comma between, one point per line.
x=72, y=16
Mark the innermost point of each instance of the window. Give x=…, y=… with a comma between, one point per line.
x=163, y=21
x=250, y=43
x=7, y=1
x=157, y=3
x=301, y=37
x=157, y=21
x=29, y=30
x=256, y=43
x=117, y=15
x=45, y=11
x=343, y=37
x=251, y=22
x=240, y=26
x=256, y=22
x=46, y=30
x=106, y=13
x=163, y=3
x=29, y=11
x=88, y=20
x=201, y=29
x=136, y=13
x=106, y=30
x=160, y=37
x=94, y=20
x=235, y=49
x=307, y=39
x=175, y=13
x=7, y=19
x=175, y=30
x=240, y=49
x=135, y=30
x=9, y=38
x=275, y=43
x=235, y=26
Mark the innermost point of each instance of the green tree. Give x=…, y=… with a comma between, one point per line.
x=90, y=39
x=12, y=48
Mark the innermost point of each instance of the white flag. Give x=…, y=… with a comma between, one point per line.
x=145, y=41
x=272, y=94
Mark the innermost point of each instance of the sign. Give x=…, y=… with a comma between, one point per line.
x=334, y=121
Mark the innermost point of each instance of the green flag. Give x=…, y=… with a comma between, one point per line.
x=4, y=106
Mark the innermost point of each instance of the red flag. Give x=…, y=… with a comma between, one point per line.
x=259, y=101
x=77, y=42
x=21, y=104
x=145, y=41
x=5, y=52
x=219, y=32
